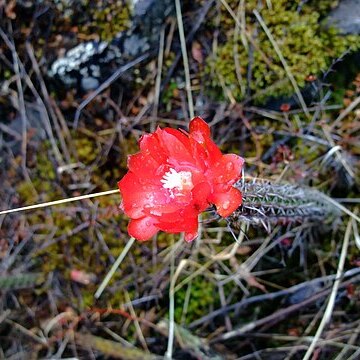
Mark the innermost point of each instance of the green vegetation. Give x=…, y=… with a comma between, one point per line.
x=108, y=18
x=247, y=59
x=199, y=296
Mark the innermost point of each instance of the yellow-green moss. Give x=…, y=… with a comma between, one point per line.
x=201, y=298
x=86, y=149
x=107, y=18
x=26, y=192
x=75, y=249
x=306, y=46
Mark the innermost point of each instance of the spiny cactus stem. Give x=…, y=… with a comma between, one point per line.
x=267, y=202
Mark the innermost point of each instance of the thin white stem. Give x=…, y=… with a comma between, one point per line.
x=341, y=207
x=185, y=58
x=58, y=202
x=346, y=112
x=115, y=266
x=160, y=61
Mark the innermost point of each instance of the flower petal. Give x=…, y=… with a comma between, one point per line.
x=211, y=153
x=146, y=166
x=197, y=124
x=199, y=154
x=142, y=229
x=182, y=135
x=138, y=197
x=149, y=144
x=200, y=194
x=190, y=236
x=200, y=132
x=178, y=153
x=187, y=222
x=226, y=203
x=228, y=169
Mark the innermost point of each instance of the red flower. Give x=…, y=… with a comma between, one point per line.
x=175, y=176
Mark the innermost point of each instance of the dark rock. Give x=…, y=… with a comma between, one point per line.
x=88, y=64
x=346, y=17
x=304, y=293
x=89, y=83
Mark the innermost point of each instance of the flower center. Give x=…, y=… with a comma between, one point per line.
x=181, y=181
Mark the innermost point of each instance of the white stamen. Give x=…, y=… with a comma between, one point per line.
x=177, y=180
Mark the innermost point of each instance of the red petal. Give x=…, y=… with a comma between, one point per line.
x=200, y=132
x=200, y=195
x=142, y=229
x=214, y=153
x=226, y=203
x=189, y=236
x=137, y=196
x=192, y=231
x=187, y=222
x=228, y=169
x=176, y=220
x=199, y=154
x=149, y=144
x=210, y=153
x=146, y=168
x=180, y=134
x=165, y=211
x=177, y=152
x=198, y=124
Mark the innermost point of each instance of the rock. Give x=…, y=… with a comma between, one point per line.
x=85, y=66
x=346, y=17
x=89, y=83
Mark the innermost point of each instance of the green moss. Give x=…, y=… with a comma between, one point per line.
x=74, y=249
x=322, y=7
x=169, y=94
x=86, y=149
x=106, y=18
x=25, y=190
x=201, y=298
x=43, y=180
x=307, y=47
